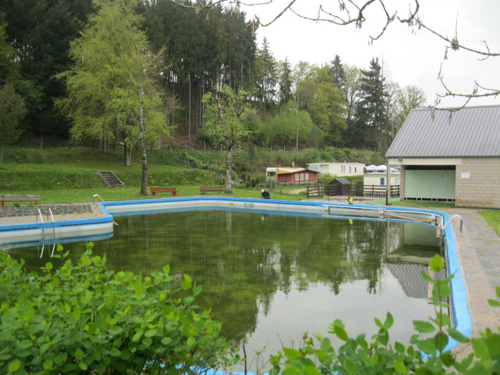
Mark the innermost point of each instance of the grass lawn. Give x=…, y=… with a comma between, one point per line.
x=69, y=176
x=492, y=217
x=132, y=193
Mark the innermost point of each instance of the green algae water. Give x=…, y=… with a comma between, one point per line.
x=269, y=278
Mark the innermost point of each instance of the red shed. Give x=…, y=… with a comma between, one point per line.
x=296, y=176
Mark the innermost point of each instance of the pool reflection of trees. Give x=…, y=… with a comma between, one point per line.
x=242, y=259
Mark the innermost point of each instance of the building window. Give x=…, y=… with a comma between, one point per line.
x=302, y=177
x=382, y=181
x=342, y=169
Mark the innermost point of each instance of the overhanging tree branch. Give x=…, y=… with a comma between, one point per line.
x=354, y=12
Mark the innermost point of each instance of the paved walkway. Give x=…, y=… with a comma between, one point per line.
x=478, y=249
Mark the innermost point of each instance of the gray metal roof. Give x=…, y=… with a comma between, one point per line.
x=468, y=132
x=343, y=181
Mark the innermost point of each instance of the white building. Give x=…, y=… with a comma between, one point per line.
x=337, y=169
x=376, y=175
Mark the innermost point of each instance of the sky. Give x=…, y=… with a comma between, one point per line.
x=408, y=56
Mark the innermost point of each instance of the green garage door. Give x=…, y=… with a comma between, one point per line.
x=433, y=184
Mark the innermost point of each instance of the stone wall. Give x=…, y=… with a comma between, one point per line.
x=403, y=183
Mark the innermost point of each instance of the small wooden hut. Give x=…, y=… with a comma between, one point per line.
x=339, y=186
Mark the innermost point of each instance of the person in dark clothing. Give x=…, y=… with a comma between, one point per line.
x=265, y=194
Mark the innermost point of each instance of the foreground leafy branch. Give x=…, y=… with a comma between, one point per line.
x=425, y=355
x=84, y=319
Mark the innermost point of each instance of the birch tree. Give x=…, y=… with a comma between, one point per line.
x=112, y=91
x=226, y=124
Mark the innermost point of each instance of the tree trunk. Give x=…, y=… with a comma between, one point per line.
x=189, y=108
x=142, y=135
x=104, y=145
x=127, y=155
x=229, y=170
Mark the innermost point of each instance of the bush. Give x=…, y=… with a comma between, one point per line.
x=424, y=356
x=84, y=319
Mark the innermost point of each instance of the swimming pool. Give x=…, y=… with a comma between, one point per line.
x=298, y=209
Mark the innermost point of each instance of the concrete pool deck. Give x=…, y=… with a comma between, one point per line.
x=478, y=248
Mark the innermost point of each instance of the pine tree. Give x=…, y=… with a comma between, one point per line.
x=285, y=93
x=266, y=77
x=337, y=72
x=371, y=120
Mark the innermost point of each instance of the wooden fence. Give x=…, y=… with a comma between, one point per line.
x=370, y=191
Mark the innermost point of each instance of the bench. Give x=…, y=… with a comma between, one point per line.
x=155, y=190
x=213, y=189
x=19, y=198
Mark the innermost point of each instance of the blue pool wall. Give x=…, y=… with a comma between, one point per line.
x=460, y=310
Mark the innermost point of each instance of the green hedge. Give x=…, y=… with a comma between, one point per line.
x=378, y=356
x=85, y=319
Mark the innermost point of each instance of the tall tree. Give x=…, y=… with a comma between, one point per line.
x=40, y=31
x=289, y=127
x=352, y=89
x=240, y=49
x=285, y=82
x=226, y=123
x=266, y=77
x=303, y=71
x=12, y=111
x=112, y=83
x=7, y=55
x=402, y=102
x=204, y=47
x=12, y=107
x=337, y=71
x=348, y=79
x=371, y=113
x=325, y=102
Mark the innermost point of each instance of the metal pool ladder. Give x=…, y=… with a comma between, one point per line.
x=443, y=227
x=43, y=231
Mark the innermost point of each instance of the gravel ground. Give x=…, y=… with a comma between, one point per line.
x=17, y=214
x=57, y=209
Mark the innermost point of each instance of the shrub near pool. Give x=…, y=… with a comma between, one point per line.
x=85, y=319
x=425, y=355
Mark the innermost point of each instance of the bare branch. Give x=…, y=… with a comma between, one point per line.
x=412, y=17
x=353, y=12
x=388, y=18
x=456, y=45
x=280, y=14
x=468, y=97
